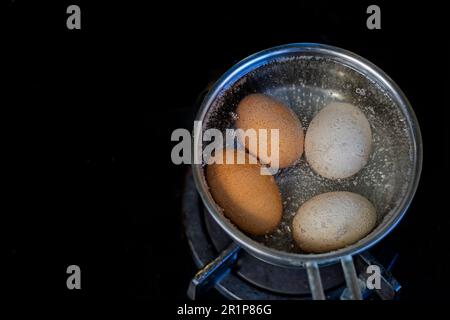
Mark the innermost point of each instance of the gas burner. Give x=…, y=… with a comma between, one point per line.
x=237, y=274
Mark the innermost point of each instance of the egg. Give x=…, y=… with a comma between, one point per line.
x=333, y=220
x=259, y=111
x=338, y=141
x=251, y=201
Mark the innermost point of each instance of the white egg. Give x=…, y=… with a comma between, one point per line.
x=338, y=141
x=333, y=220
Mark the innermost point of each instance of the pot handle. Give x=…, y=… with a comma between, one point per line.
x=213, y=272
x=351, y=279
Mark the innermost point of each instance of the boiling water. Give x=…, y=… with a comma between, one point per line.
x=306, y=85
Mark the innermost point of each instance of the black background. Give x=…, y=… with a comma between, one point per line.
x=88, y=116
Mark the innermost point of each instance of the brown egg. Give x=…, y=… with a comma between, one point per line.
x=250, y=200
x=259, y=111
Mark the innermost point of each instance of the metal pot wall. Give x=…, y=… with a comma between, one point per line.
x=306, y=69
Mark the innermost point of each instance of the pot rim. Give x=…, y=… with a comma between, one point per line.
x=361, y=65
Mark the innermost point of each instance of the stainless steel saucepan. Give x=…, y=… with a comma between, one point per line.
x=307, y=77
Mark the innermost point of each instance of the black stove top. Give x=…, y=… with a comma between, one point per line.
x=88, y=140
